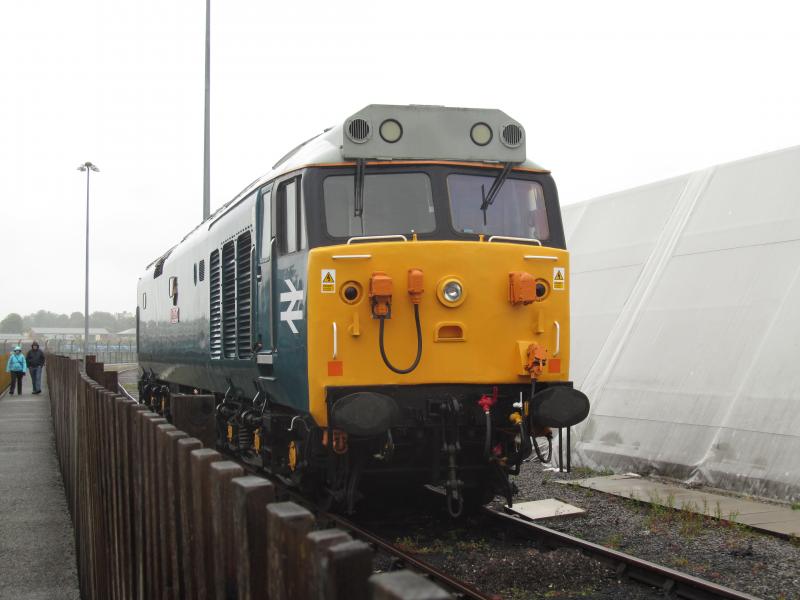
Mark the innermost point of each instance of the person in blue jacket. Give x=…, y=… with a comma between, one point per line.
x=16, y=366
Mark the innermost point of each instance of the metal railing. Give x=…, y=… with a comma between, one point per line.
x=112, y=351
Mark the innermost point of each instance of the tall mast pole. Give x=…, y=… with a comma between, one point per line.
x=86, y=294
x=206, y=132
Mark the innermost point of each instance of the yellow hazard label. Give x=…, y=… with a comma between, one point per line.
x=559, y=278
x=328, y=281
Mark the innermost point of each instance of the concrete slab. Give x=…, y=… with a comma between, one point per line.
x=771, y=518
x=545, y=509
x=36, y=537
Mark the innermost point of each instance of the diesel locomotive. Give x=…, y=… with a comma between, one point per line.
x=388, y=307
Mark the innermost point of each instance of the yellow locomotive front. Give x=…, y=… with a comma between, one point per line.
x=438, y=311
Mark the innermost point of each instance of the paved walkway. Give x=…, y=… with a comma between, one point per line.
x=37, y=556
x=772, y=518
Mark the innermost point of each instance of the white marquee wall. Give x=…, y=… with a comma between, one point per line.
x=686, y=326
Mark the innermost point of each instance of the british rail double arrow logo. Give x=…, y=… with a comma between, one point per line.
x=291, y=314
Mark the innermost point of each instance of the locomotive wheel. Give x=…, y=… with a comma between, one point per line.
x=477, y=497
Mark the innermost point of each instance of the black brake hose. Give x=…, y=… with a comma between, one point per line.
x=419, y=345
x=487, y=442
x=538, y=450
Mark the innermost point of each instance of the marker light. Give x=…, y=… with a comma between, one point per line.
x=452, y=291
x=481, y=134
x=391, y=131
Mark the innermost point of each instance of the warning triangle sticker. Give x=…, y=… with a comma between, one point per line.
x=559, y=276
x=327, y=278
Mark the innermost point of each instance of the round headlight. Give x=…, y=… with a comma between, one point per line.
x=391, y=131
x=452, y=291
x=481, y=134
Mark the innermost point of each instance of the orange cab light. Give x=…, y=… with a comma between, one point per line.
x=380, y=293
x=521, y=288
x=415, y=285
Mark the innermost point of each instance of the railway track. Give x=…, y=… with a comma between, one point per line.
x=672, y=583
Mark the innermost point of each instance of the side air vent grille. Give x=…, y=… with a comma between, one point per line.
x=229, y=300
x=512, y=135
x=201, y=270
x=358, y=130
x=243, y=302
x=214, y=316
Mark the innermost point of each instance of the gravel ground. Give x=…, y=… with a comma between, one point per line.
x=731, y=555
x=496, y=561
x=475, y=552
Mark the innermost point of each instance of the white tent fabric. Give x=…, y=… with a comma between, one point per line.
x=686, y=326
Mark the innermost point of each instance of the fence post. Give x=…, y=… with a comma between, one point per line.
x=137, y=414
x=348, y=569
x=316, y=545
x=287, y=525
x=250, y=495
x=220, y=476
x=149, y=497
x=130, y=490
x=166, y=508
x=199, y=461
x=184, y=448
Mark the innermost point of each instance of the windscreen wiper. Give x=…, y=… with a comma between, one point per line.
x=358, y=188
x=488, y=199
x=358, y=193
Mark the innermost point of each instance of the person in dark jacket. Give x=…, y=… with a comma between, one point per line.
x=16, y=366
x=35, y=365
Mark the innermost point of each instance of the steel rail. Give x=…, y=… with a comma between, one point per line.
x=672, y=582
x=121, y=389
x=462, y=589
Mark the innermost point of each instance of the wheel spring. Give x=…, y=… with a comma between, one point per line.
x=244, y=437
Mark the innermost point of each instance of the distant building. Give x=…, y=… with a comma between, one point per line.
x=9, y=340
x=11, y=337
x=68, y=333
x=128, y=333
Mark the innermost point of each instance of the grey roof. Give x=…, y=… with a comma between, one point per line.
x=11, y=336
x=68, y=330
x=325, y=148
x=131, y=331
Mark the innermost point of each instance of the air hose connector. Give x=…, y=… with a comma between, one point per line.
x=380, y=292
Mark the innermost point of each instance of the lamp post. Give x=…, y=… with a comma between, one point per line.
x=207, y=121
x=88, y=167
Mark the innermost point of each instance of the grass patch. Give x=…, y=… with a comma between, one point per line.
x=414, y=545
x=795, y=505
x=613, y=541
x=585, y=472
x=681, y=562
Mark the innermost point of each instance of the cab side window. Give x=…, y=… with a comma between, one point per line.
x=291, y=217
x=266, y=224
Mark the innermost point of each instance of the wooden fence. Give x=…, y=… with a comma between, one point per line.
x=5, y=378
x=158, y=516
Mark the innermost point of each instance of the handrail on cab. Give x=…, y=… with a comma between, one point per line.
x=514, y=239
x=365, y=238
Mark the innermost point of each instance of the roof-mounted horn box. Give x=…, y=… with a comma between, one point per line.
x=416, y=132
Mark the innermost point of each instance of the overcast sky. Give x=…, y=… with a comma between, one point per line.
x=612, y=95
